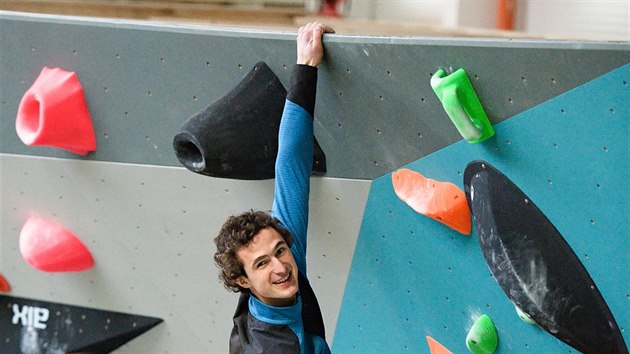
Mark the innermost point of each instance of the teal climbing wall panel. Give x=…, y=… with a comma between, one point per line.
x=412, y=277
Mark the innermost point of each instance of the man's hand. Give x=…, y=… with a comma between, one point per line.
x=310, y=50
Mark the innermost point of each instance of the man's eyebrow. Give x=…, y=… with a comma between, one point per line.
x=278, y=244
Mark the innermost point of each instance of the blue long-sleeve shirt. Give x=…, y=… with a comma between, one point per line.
x=294, y=164
x=293, y=171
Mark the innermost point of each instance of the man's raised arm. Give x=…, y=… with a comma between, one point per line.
x=294, y=162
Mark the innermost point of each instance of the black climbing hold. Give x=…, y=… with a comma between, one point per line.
x=237, y=135
x=28, y=324
x=535, y=266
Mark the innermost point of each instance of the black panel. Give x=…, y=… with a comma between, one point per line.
x=535, y=266
x=28, y=325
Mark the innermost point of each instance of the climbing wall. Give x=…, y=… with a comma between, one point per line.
x=149, y=222
x=412, y=276
x=150, y=230
x=375, y=112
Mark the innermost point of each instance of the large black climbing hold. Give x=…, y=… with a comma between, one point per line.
x=30, y=326
x=535, y=266
x=237, y=135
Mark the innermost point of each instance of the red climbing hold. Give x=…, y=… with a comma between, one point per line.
x=436, y=348
x=51, y=247
x=53, y=113
x=4, y=284
x=442, y=201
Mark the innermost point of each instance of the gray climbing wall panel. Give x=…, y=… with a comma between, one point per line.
x=150, y=230
x=375, y=112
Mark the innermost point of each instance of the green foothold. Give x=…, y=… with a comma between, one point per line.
x=523, y=316
x=462, y=105
x=482, y=337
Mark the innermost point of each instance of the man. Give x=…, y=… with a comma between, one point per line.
x=264, y=256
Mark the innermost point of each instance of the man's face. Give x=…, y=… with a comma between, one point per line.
x=272, y=274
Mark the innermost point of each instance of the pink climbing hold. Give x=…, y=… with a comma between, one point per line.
x=54, y=113
x=50, y=247
x=4, y=284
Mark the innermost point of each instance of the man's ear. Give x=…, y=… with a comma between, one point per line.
x=243, y=282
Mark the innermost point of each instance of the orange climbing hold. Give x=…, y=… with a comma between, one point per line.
x=442, y=201
x=4, y=284
x=50, y=247
x=53, y=113
x=436, y=348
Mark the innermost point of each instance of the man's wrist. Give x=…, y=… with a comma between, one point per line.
x=303, y=87
x=309, y=62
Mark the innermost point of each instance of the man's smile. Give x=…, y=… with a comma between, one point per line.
x=283, y=279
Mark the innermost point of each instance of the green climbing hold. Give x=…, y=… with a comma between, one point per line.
x=462, y=105
x=482, y=337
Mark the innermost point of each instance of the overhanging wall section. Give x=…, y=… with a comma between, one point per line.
x=375, y=112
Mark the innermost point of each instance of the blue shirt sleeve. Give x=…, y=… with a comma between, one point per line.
x=294, y=165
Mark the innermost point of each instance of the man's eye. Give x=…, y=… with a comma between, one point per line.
x=280, y=251
x=261, y=264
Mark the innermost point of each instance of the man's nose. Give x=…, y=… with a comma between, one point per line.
x=277, y=265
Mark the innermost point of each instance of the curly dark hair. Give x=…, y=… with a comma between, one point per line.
x=237, y=232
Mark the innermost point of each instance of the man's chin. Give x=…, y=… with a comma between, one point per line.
x=289, y=291
x=282, y=298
